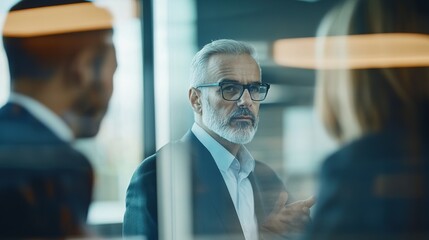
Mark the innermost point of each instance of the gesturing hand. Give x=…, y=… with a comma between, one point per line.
x=290, y=218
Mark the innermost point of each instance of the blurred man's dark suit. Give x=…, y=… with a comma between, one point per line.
x=45, y=186
x=213, y=210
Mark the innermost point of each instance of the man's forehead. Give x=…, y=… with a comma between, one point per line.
x=227, y=59
x=232, y=66
x=107, y=38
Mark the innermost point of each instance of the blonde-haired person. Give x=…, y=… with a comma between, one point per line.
x=377, y=185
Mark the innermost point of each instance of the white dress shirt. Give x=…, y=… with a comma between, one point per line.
x=235, y=174
x=44, y=115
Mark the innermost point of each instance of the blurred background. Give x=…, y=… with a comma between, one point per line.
x=155, y=43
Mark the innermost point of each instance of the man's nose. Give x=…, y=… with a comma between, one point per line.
x=245, y=99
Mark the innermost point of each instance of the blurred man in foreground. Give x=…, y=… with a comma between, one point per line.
x=61, y=60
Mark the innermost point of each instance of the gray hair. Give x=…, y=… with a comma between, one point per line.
x=222, y=46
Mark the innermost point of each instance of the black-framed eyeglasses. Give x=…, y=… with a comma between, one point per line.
x=232, y=91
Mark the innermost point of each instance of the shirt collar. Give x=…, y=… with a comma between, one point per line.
x=220, y=154
x=247, y=162
x=44, y=115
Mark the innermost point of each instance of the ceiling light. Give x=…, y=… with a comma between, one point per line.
x=354, y=51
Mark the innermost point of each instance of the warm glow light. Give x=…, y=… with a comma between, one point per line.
x=354, y=52
x=56, y=20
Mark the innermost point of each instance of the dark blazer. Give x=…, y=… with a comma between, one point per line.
x=374, y=188
x=213, y=209
x=45, y=185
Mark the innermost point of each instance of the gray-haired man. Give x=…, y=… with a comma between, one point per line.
x=231, y=192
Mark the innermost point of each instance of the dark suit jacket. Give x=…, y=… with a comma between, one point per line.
x=213, y=209
x=45, y=185
x=374, y=188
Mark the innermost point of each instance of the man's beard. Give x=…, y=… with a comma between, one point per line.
x=243, y=131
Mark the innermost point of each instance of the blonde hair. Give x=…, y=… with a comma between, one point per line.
x=354, y=102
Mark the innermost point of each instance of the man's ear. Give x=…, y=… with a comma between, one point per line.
x=78, y=70
x=195, y=100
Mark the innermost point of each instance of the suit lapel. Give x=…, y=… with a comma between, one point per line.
x=211, y=190
x=259, y=209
